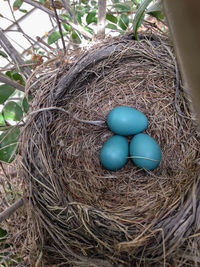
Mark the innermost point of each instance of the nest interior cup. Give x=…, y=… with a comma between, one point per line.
x=85, y=215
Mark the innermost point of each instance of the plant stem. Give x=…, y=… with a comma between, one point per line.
x=9, y=211
x=52, y=14
x=12, y=83
x=12, y=52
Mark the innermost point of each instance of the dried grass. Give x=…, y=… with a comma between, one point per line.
x=85, y=215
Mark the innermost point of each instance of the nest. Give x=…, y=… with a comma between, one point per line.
x=85, y=215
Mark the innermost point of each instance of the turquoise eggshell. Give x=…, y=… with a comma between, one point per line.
x=124, y=120
x=145, y=151
x=114, y=153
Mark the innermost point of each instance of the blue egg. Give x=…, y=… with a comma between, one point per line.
x=114, y=153
x=145, y=151
x=124, y=120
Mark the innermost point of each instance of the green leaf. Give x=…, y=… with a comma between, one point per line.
x=42, y=1
x=122, y=7
x=2, y=121
x=75, y=36
x=88, y=29
x=94, y=3
x=156, y=10
x=3, y=54
x=67, y=27
x=111, y=18
x=8, y=144
x=91, y=17
x=14, y=75
x=5, y=91
x=139, y=15
x=111, y=26
x=79, y=17
x=85, y=2
x=3, y=234
x=23, y=10
x=123, y=22
x=67, y=17
x=53, y=37
x=25, y=105
x=17, y=4
x=12, y=111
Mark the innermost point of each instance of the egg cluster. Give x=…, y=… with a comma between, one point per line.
x=143, y=150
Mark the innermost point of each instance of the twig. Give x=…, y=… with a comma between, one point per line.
x=59, y=26
x=67, y=6
x=39, y=39
x=12, y=52
x=97, y=123
x=19, y=28
x=20, y=66
x=12, y=83
x=9, y=211
x=52, y=14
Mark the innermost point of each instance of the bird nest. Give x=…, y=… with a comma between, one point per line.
x=85, y=215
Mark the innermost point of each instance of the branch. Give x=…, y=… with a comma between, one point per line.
x=12, y=52
x=101, y=18
x=51, y=13
x=9, y=211
x=14, y=84
x=59, y=26
x=66, y=4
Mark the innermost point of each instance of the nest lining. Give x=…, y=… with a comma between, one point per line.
x=98, y=216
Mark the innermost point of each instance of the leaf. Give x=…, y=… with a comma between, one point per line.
x=78, y=17
x=67, y=27
x=42, y=1
x=91, y=17
x=23, y=10
x=111, y=18
x=12, y=111
x=94, y=3
x=3, y=234
x=17, y=4
x=25, y=105
x=75, y=36
x=156, y=10
x=88, y=29
x=5, y=91
x=58, y=4
x=3, y=54
x=139, y=15
x=53, y=37
x=14, y=75
x=67, y=17
x=123, y=22
x=8, y=144
x=2, y=121
x=122, y=7
x=111, y=26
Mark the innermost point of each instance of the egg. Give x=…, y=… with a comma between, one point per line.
x=124, y=120
x=145, y=151
x=114, y=153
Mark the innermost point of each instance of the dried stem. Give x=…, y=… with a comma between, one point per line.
x=59, y=25
x=52, y=14
x=12, y=52
x=12, y=83
x=8, y=212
